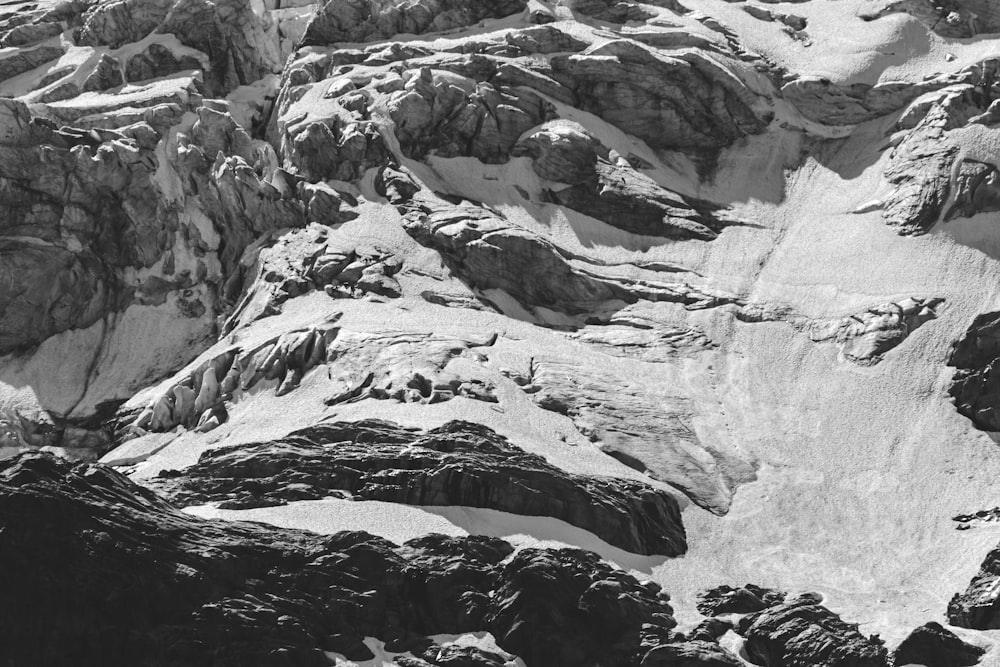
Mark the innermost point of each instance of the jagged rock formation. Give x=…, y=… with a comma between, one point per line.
x=746, y=600
x=367, y=21
x=457, y=464
x=922, y=160
x=977, y=606
x=598, y=182
x=801, y=631
x=116, y=556
x=973, y=387
x=976, y=190
x=934, y=646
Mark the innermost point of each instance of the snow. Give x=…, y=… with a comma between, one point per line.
x=860, y=468
x=398, y=523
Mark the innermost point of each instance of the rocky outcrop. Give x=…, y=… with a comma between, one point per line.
x=934, y=646
x=922, y=160
x=826, y=102
x=75, y=216
x=409, y=367
x=291, y=263
x=603, y=77
x=863, y=338
x=792, y=21
x=801, y=631
x=229, y=31
x=977, y=190
x=489, y=253
x=455, y=116
x=198, y=399
x=459, y=463
x=588, y=177
x=157, y=61
x=978, y=607
x=745, y=600
x=975, y=386
x=19, y=61
x=948, y=18
x=118, y=571
x=366, y=20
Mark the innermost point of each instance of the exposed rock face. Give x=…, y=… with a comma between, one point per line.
x=745, y=600
x=229, y=30
x=793, y=21
x=274, y=270
x=803, y=632
x=921, y=165
x=589, y=178
x=832, y=104
x=454, y=116
x=977, y=607
x=457, y=464
x=977, y=190
x=366, y=20
x=948, y=18
x=863, y=338
x=629, y=85
x=116, y=556
x=489, y=253
x=66, y=253
x=973, y=387
x=935, y=646
x=198, y=400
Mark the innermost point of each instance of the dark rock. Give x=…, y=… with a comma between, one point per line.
x=231, y=33
x=976, y=384
x=459, y=463
x=801, y=631
x=367, y=20
x=978, y=607
x=30, y=33
x=107, y=74
x=633, y=90
x=793, y=21
x=157, y=61
x=599, y=183
x=119, y=572
x=934, y=646
x=453, y=117
x=710, y=630
x=694, y=653
x=977, y=190
x=23, y=60
x=745, y=600
x=948, y=18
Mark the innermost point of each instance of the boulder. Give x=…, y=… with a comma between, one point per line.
x=932, y=645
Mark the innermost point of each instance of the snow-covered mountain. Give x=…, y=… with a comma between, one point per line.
x=615, y=333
